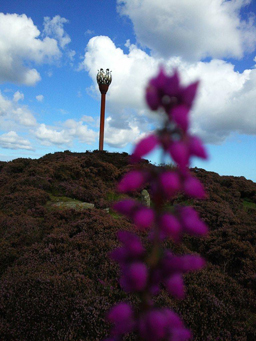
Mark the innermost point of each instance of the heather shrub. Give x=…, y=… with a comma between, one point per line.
x=56, y=281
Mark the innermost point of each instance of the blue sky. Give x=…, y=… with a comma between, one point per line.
x=50, y=52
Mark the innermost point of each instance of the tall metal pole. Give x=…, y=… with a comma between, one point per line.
x=102, y=119
x=104, y=80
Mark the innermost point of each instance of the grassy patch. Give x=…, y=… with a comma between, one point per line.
x=249, y=205
x=60, y=203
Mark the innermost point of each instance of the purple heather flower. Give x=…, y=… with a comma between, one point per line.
x=180, y=116
x=132, y=181
x=179, y=153
x=170, y=183
x=132, y=249
x=153, y=325
x=147, y=273
x=170, y=226
x=125, y=206
x=143, y=217
x=144, y=147
x=134, y=277
x=193, y=187
x=189, y=93
x=131, y=243
x=191, y=222
x=180, y=335
x=191, y=263
x=121, y=316
x=173, y=319
x=166, y=91
x=175, y=286
x=196, y=147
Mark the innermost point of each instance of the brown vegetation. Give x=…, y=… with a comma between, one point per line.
x=56, y=281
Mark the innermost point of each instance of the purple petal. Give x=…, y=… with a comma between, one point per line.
x=193, y=187
x=196, y=147
x=122, y=316
x=181, y=335
x=192, y=263
x=191, y=222
x=125, y=206
x=132, y=243
x=189, y=93
x=173, y=319
x=143, y=217
x=160, y=80
x=131, y=181
x=152, y=97
x=172, y=87
x=134, y=277
x=144, y=147
x=179, y=153
x=153, y=326
x=170, y=183
x=175, y=286
x=180, y=116
x=170, y=226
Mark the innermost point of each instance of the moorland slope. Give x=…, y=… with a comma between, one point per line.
x=56, y=281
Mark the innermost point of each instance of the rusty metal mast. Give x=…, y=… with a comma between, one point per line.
x=103, y=79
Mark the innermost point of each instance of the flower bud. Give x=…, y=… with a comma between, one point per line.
x=143, y=217
x=196, y=147
x=170, y=226
x=175, y=286
x=144, y=147
x=122, y=316
x=131, y=181
x=193, y=188
x=180, y=116
x=134, y=277
x=179, y=153
x=170, y=183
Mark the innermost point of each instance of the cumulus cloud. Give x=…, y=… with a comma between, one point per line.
x=225, y=102
x=18, y=96
x=49, y=136
x=12, y=140
x=130, y=74
x=20, y=44
x=54, y=27
x=65, y=133
x=119, y=137
x=39, y=98
x=80, y=131
x=13, y=115
x=191, y=29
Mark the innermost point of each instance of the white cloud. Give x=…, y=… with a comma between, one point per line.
x=80, y=131
x=54, y=27
x=20, y=44
x=130, y=72
x=120, y=137
x=191, y=29
x=65, y=134
x=18, y=96
x=50, y=136
x=39, y=98
x=12, y=115
x=11, y=140
x=225, y=102
x=90, y=32
x=87, y=119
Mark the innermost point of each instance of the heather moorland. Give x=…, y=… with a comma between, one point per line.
x=57, y=228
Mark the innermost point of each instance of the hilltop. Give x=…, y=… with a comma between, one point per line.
x=57, y=227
